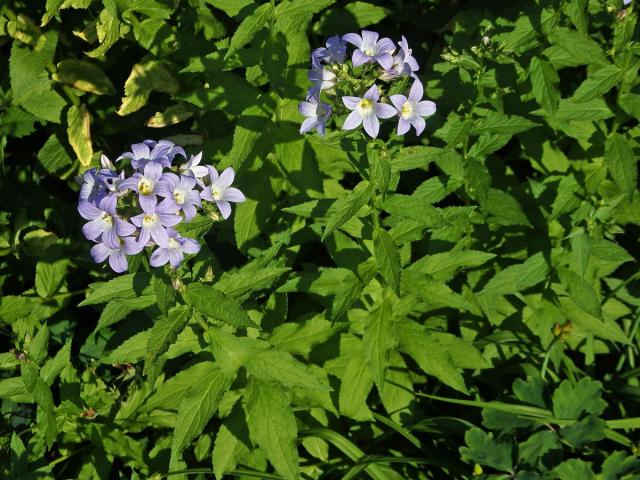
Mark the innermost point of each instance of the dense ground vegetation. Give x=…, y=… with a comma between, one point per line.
x=460, y=304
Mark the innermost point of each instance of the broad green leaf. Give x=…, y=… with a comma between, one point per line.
x=118, y=309
x=32, y=89
x=79, y=133
x=600, y=83
x=294, y=9
x=249, y=129
x=544, y=79
x=39, y=345
x=387, y=257
x=15, y=390
x=215, y=304
x=573, y=469
x=127, y=286
x=275, y=366
x=301, y=338
x=52, y=367
x=483, y=449
x=51, y=270
x=346, y=207
x=594, y=109
x=496, y=123
x=164, y=293
x=357, y=381
x=570, y=401
x=198, y=405
x=249, y=27
x=53, y=157
x=272, y=426
x=504, y=208
x=145, y=78
x=444, y=266
x=519, y=277
x=41, y=393
x=230, y=447
x=379, y=340
x=131, y=350
x=84, y=76
x=621, y=164
x=435, y=294
x=244, y=282
x=581, y=49
x=231, y=352
x=164, y=332
x=432, y=357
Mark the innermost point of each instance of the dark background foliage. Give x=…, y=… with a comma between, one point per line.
x=463, y=304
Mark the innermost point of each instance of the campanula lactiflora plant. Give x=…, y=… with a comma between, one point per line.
x=136, y=203
x=365, y=77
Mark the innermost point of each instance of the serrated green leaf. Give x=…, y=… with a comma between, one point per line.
x=272, y=426
x=125, y=286
x=379, y=340
x=198, y=405
x=483, y=449
x=164, y=332
x=249, y=27
x=346, y=207
x=215, y=304
x=79, y=133
x=275, y=366
x=387, y=257
x=84, y=76
x=544, y=79
x=570, y=401
x=600, y=83
x=620, y=161
x=357, y=382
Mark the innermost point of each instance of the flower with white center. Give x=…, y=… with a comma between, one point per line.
x=152, y=225
x=220, y=191
x=317, y=114
x=173, y=251
x=411, y=109
x=145, y=185
x=367, y=110
x=370, y=49
x=104, y=221
x=179, y=195
x=117, y=255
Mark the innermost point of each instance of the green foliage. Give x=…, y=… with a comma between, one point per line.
x=460, y=305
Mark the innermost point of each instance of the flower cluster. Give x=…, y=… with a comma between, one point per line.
x=127, y=213
x=342, y=81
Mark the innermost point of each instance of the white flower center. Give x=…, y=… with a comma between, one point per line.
x=145, y=186
x=106, y=219
x=216, y=192
x=407, y=110
x=149, y=220
x=179, y=196
x=369, y=51
x=365, y=106
x=173, y=243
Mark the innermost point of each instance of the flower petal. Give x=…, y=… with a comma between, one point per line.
x=416, y=92
x=371, y=125
x=88, y=211
x=372, y=93
x=351, y=102
x=398, y=101
x=385, y=60
x=426, y=108
x=385, y=111
x=175, y=257
x=353, y=121
x=140, y=151
x=226, y=177
x=124, y=228
x=190, y=246
x=360, y=58
x=100, y=252
x=159, y=235
x=369, y=38
x=309, y=124
x=148, y=202
x=159, y=257
x=403, y=126
x=307, y=109
x=118, y=261
x=353, y=38
x=234, y=195
x=93, y=229
x=224, y=207
x=419, y=124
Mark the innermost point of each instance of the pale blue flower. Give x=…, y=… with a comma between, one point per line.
x=117, y=255
x=317, y=114
x=179, y=195
x=173, y=250
x=411, y=109
x=220, y=191
x=370, y=49
x=367, y=110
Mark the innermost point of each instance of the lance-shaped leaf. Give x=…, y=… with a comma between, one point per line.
x=272, y=426
x=198, y=405
x=153, y=75
x=164, y=332
x=346, y=207
x=249, y=27
x=213, y=303
x=379, y=340
x=79, y=132
x=83, y=76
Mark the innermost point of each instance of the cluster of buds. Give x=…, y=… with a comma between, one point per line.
x=127, y=213
x=350, y=86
